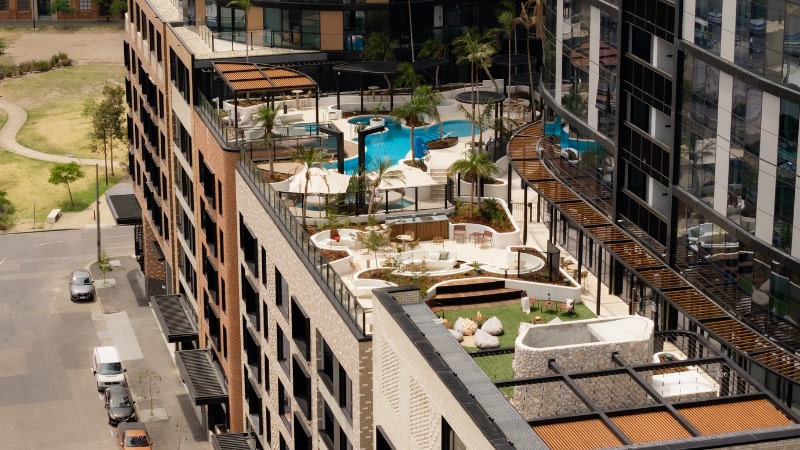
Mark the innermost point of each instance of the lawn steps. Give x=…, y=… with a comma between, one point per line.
x=470, y=293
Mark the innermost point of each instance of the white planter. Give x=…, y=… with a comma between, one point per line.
x=377, y=122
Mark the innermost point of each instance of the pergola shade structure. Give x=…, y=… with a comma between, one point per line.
x=204, y=381
x=387, y=68
x=174, y=319
x=263, y=80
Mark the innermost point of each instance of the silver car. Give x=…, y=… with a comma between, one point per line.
x=119, y=405
x=81, y=286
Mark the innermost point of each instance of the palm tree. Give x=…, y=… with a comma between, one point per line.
x=309, y=158
x=434, y=49
x=530, y=20
x=483, y=119
x=505, y=17
x=378, y=47
x=417, y=105
x=267, y=114
x=435, y=97
x=475, y=165
x=380, y=170
x=245, y=5
x=407, y=76
x=477, y=49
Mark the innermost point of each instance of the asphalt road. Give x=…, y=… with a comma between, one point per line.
x=48, y=397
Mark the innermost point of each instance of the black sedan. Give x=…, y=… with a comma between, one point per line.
x=119, y=405
x=81, y=286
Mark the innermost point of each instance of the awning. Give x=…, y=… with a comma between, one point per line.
x=232, y=441
x=123, y=205
x=173, y=316
x=385, y=67
x=205, y=383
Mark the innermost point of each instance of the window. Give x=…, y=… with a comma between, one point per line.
x=24, y=5
x=301, y=329
x=301, y=387
x=450, y=440
x=281, y=293
x=85, y=5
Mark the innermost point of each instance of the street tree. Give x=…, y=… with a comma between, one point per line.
x=62, y=8
x=66, y=173
x=148, y=381
x=104, y=265
x=108, y=121
x=7, y=210
x=474, y=166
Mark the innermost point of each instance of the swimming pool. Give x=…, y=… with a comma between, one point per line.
x=394, y=143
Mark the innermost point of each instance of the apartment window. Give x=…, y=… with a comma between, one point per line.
x=283, y=350
x=249, y=246
x=345, y=393
x=250, y=298
x=301, y=329
x=264, y=317
x=263, y=266
x=3, y=5
x=302, y=438
x=293, y=28
x=85, y=5
x=450, y=440
x=281, y=293
x=24, y=5
x=301, y=387
x=284, y=406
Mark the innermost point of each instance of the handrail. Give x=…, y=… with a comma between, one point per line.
x=323, y=270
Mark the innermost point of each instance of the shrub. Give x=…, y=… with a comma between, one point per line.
x=25, y=67
x=3, y=45
x=42, y=65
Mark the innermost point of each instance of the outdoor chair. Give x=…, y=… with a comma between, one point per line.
x=413, y=244
x=460, y=233
x=410, y=233
x=437, y=240
x=568, y=307
x=484, y=238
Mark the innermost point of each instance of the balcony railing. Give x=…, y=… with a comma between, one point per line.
x=294, y=229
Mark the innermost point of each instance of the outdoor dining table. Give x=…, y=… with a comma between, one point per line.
x=405, y=239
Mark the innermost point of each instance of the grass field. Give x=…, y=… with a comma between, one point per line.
x=54, y=102
x=24, y=178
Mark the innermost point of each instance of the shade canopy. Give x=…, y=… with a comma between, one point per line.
x=481, y=97
x=322, y=181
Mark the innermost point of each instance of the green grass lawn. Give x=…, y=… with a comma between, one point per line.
x=54, y=102
x=25, y=181
x=498, y=367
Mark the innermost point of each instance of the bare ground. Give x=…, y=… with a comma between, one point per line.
x=89, y=45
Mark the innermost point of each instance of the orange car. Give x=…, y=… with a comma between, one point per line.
x=133, y=435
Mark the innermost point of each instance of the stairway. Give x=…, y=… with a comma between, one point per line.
x=438, y=191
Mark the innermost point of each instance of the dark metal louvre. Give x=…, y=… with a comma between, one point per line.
x=203, y=380
x=173, y=318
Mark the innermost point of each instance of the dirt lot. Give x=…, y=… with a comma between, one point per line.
x=94, y=45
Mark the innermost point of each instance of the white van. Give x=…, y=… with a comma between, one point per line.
x=107, y=367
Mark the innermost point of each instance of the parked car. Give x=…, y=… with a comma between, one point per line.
x=119, y=405
x=107, y=367
x=133, y=435
x=81, y=285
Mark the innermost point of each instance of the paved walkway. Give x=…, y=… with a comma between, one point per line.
x=8, y=138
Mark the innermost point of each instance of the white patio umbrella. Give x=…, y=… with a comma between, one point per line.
x=323, y=181
x=412, y=177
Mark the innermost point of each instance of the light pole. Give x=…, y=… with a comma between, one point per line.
x=97, y=204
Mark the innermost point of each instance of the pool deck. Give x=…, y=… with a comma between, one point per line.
x=610, y=305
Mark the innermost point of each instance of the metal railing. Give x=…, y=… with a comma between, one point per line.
x=293, y=228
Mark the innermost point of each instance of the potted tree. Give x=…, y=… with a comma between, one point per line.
x=376, y=120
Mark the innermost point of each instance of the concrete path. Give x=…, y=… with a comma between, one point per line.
x=8, y=138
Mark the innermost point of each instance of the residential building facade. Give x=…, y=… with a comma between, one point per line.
x=288, y=352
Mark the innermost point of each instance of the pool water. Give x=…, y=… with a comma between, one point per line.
x=394, y=143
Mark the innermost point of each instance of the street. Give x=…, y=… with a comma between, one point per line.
x=48, y=396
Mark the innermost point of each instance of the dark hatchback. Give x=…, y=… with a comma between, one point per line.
x=81, y=286
x=119, y=405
